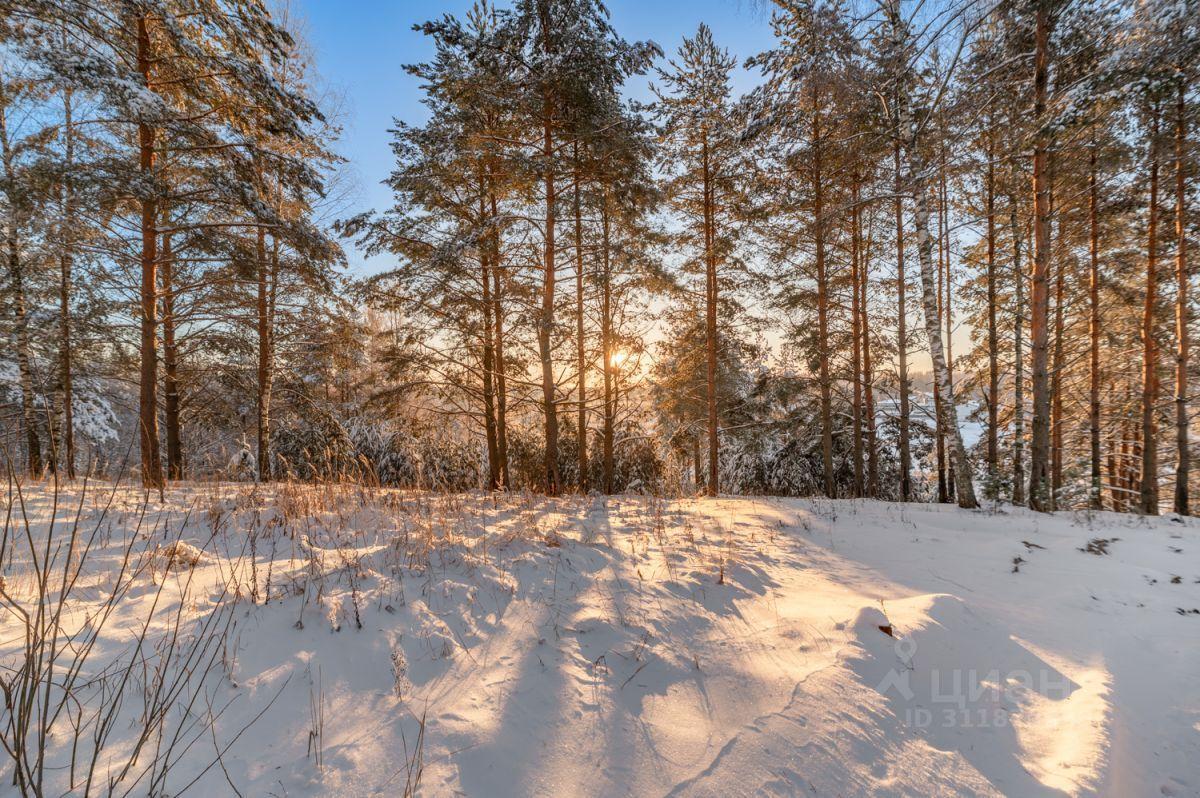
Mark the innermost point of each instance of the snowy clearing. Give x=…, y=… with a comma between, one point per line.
x=620, y=646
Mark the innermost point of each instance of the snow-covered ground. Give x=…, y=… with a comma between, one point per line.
x=345, y=641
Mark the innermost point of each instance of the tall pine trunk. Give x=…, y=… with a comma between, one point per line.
x=265, y=364
x=498, y=349
x=1114, y=476
x=545, y=322
x=1056, y=403
x=152, y=475
x=710, y=326
x=487, y=343
x=546, y=317
x=868, y=370
x=1096, y=499
x=823, y=354
x=1018, y=491
x=66, y=263
x=1148, y=490
x=856, y=332
x=1039, y=298
x=580, y=347
x=170, y=354
x=501, y=385
x=1182, y=467
x=606, y=345
x=993, y=334
x=488, y=367
x=1135, y=459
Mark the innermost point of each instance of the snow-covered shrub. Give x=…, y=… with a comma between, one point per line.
x=409, y=453
x=402, y=453
x=99, y=429
x=526, y=457
x=637, y=463
x=315, y=447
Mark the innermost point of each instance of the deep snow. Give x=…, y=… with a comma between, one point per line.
x=636, y=646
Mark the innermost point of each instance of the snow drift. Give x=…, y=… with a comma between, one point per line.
x=379, y=642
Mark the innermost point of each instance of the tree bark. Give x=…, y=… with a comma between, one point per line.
x=1114, y=477
x=152, y=475
x=1018, y=490
x=498, y=321
x=1148, y=490
x=868, y=371
x=606, y=344
x=546, y=321
x=489, y=366
x=1096, y=499
x=170, y=353
x=993, y=335
x=545, y=326
x=710, y=327
x=1056, y=403
x=66, y=262
x=265, y=364
x=1134, y=478
x=580, y=347
x=856, y=331
x=823, y=355
x=1182, y=465
x=1039, y=466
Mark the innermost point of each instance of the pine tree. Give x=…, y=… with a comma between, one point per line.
x=700, y=153
x=806, y=103
x=165, y=71
x=451, y=179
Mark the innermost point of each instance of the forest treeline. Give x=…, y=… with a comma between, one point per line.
x=605, y=268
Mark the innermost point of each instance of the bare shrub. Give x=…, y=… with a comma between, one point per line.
x=69, y=689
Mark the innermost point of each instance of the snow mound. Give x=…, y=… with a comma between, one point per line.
x=180, y=555
x=971, y=689
x=928, y=698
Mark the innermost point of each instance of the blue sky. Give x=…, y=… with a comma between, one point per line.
x=361, y=44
